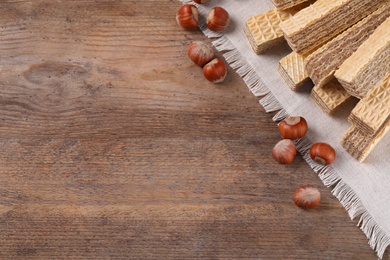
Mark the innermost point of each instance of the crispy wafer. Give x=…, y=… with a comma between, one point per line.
x=321, y=64
x=330, y=96
x=368, y=64
x=318, y=23
x=263, y=31
x=292, y=69
x=358, y=144
x=373, y=111
x=284, y=4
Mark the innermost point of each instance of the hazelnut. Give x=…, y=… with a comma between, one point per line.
x=187, y=17
x=322, y=153
x=200, y=53
x=217, y=19
x=201, y=1
x=293, y=127
x=284, y=151
x=215, y=71
x=307, y=197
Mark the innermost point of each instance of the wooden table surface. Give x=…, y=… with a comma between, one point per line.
x=113, y=145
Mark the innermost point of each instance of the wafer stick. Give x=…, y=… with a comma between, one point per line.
x=292, y=70
x=373, y=111
x=318, y=23
x=263, y=31
x=321, y=64
x=284, y=4
x=330, y=96
x=368, y=64
x=358, y=144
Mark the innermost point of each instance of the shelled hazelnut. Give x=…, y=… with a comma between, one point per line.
x=307, y=197
x=322, y=153
x=215, y=71
x=200, y=53
x=293, y=127
x=218, y=19
x=188, y=16
x=201, y=1
x=284, y=151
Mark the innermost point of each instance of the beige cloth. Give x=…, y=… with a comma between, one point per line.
x=363, y=188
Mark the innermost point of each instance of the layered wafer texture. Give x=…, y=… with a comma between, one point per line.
x=358, y=144
x=368, y=64
x=330, y=96
x=342, y=46
x=292, y=69
x=373, y=111
x=321, y=64
x=318, y=23
x=284, y=4
x=263, y=31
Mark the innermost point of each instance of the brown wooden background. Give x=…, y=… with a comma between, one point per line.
x=113, y=145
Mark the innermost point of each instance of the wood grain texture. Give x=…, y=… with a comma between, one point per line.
x=114, y=146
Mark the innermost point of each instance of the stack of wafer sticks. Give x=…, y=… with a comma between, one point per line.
x=343, y=48
x=370, y=120
x=263, y=30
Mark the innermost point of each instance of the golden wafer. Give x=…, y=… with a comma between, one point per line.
x=292, y=70
x=373, y=111
x=318, y=23
x=360, y=145
x=263, y=31
x=330, y=96
x=321, y=64
x=285, y=4
x=368, y=64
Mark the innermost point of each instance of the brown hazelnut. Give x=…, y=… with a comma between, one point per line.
x=293, y=127
x=307, y=197
x=284, y=151
x=201, y=1
x=215, y=71
x=217, y=19
x=187, y=17
x=322, y=153
x=200, y=53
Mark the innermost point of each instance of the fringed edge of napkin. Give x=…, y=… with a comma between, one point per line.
x=378, y=240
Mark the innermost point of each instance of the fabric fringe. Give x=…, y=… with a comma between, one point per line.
x=327, y=174
x=245, y=71
x=270, y=103
x=348, y=199
x=378, y=240
x=223, y=44
x=282, y=114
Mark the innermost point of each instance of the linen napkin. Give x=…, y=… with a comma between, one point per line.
x=362, y=188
